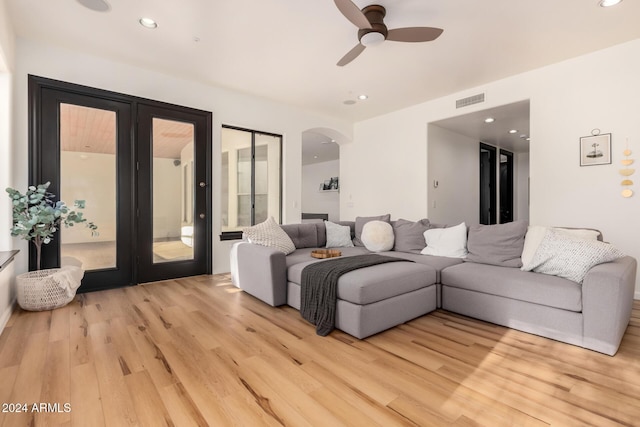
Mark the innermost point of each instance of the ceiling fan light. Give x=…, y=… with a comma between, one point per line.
x=372, y=38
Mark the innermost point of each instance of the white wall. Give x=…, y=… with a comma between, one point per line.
x=167, y=199
x=568, y=100
x=7, y=294
x=314, y=200
x=90, y=177
x=7, y=65
x=521, y=191
x=228, y=107
x=453, y=162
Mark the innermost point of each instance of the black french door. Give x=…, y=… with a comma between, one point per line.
x=142, y=168
x=171, y=141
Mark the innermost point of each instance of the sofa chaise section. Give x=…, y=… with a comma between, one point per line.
x=593, y=314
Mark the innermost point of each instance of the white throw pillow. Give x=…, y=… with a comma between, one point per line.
x=338, y=236
x=377, y=236
x=571, y=258
x=270, y=234
x=450, y=242
x=535, y=234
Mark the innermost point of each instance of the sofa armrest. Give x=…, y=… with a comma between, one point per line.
x=260, y=271
x=607, y=300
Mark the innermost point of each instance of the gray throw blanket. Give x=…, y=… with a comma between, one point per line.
x=318, y=296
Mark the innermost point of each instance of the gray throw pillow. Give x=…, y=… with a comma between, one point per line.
x=362, y=220
x=303, y=235
x=338, y=236
x=499, y=244
x=409, y=235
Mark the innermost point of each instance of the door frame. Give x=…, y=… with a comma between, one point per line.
x=492, y=184
x=51, y=252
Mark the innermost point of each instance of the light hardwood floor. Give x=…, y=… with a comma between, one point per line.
x=198, y=351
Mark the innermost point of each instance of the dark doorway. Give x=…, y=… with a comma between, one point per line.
x=121, y=154
x=487, y=184
x=506, y=186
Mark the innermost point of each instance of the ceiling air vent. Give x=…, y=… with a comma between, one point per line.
x=475, y=99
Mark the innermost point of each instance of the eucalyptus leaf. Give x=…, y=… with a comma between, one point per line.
x=37, y=215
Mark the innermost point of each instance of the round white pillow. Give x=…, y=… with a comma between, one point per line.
x=377, y=236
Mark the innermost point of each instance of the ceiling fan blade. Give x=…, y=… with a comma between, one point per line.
x=351, y=55
x=414, y=34
x=352, y=13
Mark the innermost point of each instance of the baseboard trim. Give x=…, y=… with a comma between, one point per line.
x=7, y=315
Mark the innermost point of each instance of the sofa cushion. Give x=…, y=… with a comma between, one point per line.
x=514, y=283
x=376, y=283
x=269, y=233
x=565, y=256
x=377, y=236
x=304, y=255
x=535, y=234
x=338, y=236
x=438, y=263
x=449, y=242
x=361, y=221
x=499, y=244
x=302, y=235
x=409, y=235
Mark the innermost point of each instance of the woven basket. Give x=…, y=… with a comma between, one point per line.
x=38, y=291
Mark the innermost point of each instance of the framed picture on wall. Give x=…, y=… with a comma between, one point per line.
x=595, y=150
x=332, y=184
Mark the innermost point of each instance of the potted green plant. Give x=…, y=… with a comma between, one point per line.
x=36, y=218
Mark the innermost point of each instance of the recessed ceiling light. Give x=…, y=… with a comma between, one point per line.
x=528, y=139
x=148, y=23
x=489, y=120
x=96, y=5
x=607, y=3
x=523, y=136
x=362, y=97
x=513, y=131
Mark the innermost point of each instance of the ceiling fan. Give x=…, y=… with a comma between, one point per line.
x=372, y=31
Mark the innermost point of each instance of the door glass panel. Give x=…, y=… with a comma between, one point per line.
x=88, y=172
x=250, y=187
x=173, y=190
x=267, y=177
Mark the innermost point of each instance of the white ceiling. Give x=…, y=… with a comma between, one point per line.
x=507, y=118
x=318, y=148
x=286, y=50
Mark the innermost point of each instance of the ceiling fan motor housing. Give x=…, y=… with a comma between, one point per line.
x=375, y=15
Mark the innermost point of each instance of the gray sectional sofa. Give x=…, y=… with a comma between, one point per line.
x=593, y=314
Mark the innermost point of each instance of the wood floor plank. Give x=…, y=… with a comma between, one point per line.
x=86, y=403
x=56, y=388
x=116, y=400
x=150, y=410
x=198, y=351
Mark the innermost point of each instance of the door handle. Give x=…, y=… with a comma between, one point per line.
x=203, y=184
x=202, y=216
